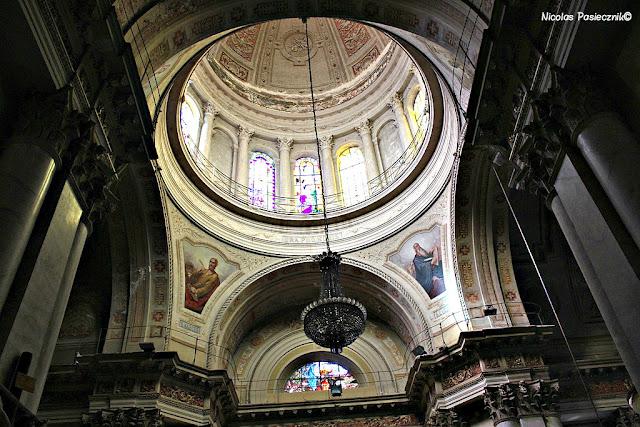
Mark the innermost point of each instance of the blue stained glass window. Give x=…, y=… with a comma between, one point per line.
x=353, y=176
x=262, y=181
x=307, y=182
x=315, y=376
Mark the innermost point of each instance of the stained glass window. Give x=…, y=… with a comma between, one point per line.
x=353, y=176
x=307, y=182
x=315, y=376
x=262, y=181
x=189, y=124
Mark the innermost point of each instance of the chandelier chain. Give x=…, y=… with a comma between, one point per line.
x=315, y=129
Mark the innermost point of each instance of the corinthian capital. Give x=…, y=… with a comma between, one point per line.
x=396, y=102
x=244, y=133
x=284, y=143
x=501, y=402
x=444, y=418
x=326, y=142
x=364, y=128
x=210, y=109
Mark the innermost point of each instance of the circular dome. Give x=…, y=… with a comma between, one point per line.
x=267, y=63
x=246, y=123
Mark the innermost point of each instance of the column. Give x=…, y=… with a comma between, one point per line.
x=27, y=164
x=59, y=308
x=611, y=278
x=383, y=175
x=606, y=143
x=242, y=165
x=328, y=171
x=501, y=403
x=371, y=162
x=593, y=195
x=613, y=154
x=53, y=251
x=284, y=148
x=404, y=129
x=205, y=131
x=234, y=162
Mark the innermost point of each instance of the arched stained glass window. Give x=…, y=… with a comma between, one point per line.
x=316, y=375
x=353, y=176
x=307, y=181
x=262, y=181
x=189, y=124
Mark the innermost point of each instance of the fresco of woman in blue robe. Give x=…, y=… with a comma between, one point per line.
x=420, y=255
x=426, y=268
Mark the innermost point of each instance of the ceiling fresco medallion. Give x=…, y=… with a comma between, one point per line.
x=294, y=46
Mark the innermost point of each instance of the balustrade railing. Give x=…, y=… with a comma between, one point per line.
x=226, y=185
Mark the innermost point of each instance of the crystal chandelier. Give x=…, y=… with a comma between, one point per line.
x=332, y=321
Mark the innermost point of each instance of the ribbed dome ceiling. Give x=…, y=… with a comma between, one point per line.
x=268, y=61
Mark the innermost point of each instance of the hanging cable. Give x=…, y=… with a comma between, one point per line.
x=315, y=129
x=546, y=292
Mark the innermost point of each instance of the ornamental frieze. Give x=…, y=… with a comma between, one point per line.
x=462, y=375
x=182, y=395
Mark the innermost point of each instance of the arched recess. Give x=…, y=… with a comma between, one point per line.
x=482, y=243
x=290, y=285
x=389, y=142
x=268, y=356
x=220, y=150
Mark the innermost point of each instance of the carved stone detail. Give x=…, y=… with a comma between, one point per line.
x=364, y=128
x=501, y=403
x=123, y=416
x=396, y=103
x=244, y=133
x=284, y=143
x=510, y=401
x=326, y=142
x=444, y=418
x=558, y=115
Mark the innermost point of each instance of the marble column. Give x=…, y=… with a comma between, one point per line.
x=370, y=160
x=242, y=165
x=383, y=175
x=234, y=162
x=284, y=148
x=40, y=373
x=27, y=164
x=328, y=170
x=591, y=234
x=205, y=131
x=404, y=130
x=613, y=154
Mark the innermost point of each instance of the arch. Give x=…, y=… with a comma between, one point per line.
x=395, y=303
x=262, y=180
x=352, y=174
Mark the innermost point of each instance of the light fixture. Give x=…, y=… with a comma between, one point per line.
x=335, y=385
x=418, y=351
x=490, y=310
x=147, y=347
x=332, y=321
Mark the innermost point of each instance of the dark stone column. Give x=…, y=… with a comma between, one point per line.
x=586, y=163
